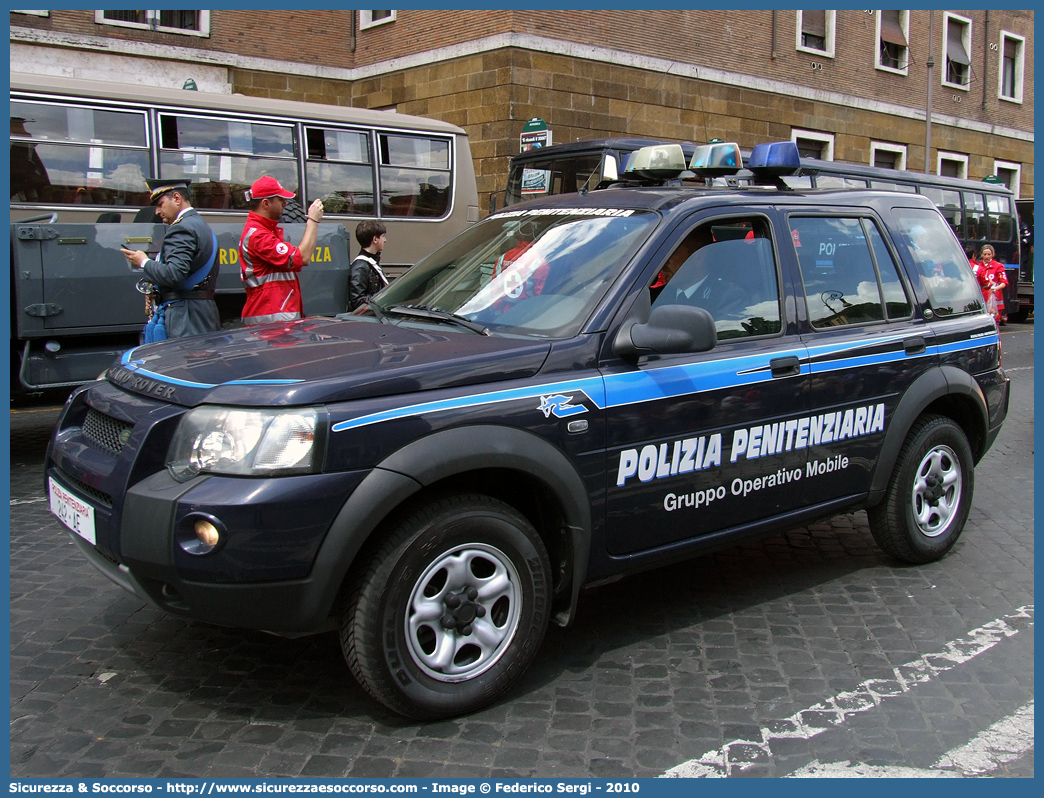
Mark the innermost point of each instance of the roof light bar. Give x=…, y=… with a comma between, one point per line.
x=774, y=158
x=716, y=160
x=657, y=162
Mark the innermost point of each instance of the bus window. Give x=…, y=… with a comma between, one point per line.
x=887, y=185
x=339, y=170
x=415, y=176
x=838, y=181
x=1001, y=226
x=975, y=208
x=949, y=202
x=68, y=154
x=222, y=157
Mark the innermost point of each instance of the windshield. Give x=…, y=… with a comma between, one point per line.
x=537, y=272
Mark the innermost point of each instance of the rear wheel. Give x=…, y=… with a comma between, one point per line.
x=929, y=495
x=450, y=610
x=1020, y=316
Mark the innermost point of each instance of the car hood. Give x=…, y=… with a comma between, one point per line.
x=320, y=360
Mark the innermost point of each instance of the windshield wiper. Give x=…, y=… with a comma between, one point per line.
x=377, y=311
x=434, y=314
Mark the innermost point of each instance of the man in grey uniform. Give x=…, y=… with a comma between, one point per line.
x=186, y=270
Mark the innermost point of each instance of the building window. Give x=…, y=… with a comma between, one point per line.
x=886, y=155
x=892, y=40
x=952, y=164
x=813, y=144
x=1012, y=64
x=815, y=32
x=187, y=23
x=958, y=46
x=370, y=19
x=1010, y=174
x=34, y=13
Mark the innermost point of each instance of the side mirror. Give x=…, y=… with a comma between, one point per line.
x=671, y=329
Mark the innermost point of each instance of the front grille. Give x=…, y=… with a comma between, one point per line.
x=105, y=432
x=82, y=487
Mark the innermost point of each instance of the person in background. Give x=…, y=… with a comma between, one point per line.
x=365, y=276
x=186, y=270
x=993, y=280
x=268, y=264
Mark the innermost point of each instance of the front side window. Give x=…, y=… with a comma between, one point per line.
x=958, y=45
x=223, y=157
x=69, y=154
x=414, y=175
x=939, y=261
x=840, y=259
x=526, y=273
x=728, y=268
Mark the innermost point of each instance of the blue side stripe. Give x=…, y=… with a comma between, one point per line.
x=125, y=361
x=592, y=386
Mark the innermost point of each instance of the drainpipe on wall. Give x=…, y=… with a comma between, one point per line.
x=985, y=60
x=773, y=36
x=928, y=102
x=351, y=37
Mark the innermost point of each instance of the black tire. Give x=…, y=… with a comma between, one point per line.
x=1020, y=316
x=929, y=495
x=478, y=573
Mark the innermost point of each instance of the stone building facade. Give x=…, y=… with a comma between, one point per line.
x=850, y=85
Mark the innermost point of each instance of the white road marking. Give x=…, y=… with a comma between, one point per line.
x=28, y=501
x=815, y=720
x=1005, y=741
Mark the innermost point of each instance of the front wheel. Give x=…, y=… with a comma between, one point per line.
x=450, y=610
x=930, y=493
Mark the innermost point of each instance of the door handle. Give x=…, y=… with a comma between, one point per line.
x=914, y=346
x=785, y=366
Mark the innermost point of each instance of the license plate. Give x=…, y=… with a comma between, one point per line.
x=73, y=512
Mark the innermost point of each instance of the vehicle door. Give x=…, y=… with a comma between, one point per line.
x=698, y=443
x=865, y=344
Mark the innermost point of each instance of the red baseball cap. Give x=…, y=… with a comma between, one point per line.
x=265, y=187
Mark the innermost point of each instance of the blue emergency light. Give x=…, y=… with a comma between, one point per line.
x=774, y=158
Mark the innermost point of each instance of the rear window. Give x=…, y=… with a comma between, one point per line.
x=940, y=262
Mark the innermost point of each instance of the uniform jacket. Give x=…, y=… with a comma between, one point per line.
x=268, y=266
x=365, y=278
x=187, y=246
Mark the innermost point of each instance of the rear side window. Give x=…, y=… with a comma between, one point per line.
x=940, y=262
x=848, y=272
x=1001, y=219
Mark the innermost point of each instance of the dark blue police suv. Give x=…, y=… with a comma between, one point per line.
x=570, y=390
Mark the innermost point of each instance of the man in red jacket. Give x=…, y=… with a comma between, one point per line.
x=267, y=263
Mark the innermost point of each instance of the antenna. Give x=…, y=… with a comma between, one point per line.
x=584, y=188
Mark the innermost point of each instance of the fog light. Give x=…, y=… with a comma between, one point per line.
x=207, y=533
x=200, y=533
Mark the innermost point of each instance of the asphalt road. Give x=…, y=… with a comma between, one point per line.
x=806, y=654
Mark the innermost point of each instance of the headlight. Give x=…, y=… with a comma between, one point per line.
x=227, y=440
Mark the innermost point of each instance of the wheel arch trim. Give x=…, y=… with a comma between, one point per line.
x=444, y=454
x=938, y=383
